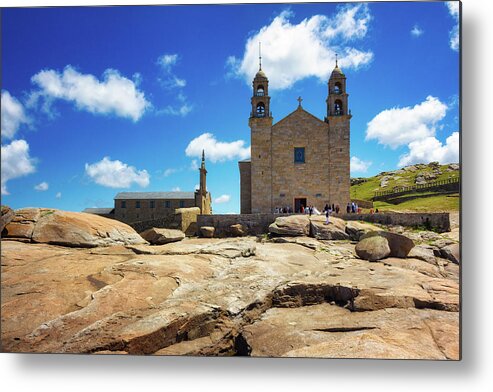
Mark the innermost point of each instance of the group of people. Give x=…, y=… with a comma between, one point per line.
x=352, y=208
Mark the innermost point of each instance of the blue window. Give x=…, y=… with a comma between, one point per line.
x=182, y=203
x=151, y=204
x=137, y=204
x=167, y=204
x=124, y=204
x=299, y=155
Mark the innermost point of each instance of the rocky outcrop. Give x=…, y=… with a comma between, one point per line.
x=373, y=248
x=6, y=216
x=207, y=231
x=334, y=230
x=157, y=236
x=293, y=225
x=356, y=230
x=233, y=296
x=66, y=228
x=451, y=252
x=399, y=245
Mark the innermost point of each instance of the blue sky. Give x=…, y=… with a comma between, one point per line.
x=101, y=100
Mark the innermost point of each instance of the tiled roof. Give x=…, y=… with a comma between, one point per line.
x=99, y=211
x=154, y=195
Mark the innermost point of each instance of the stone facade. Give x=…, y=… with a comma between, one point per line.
x=300, y=160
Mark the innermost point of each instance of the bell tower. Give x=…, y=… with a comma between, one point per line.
x=260, y=123
x=338, y=118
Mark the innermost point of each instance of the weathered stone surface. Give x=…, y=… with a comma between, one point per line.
x=356, y=230
x=69, y=228
x=6, y=216
x=451, y=252
x=207, y=231
x=293, y=225
x=329, y=331
x=373, y=248
x=424, y=253
x=231, y=296
x=157, y=236
x=399, y=245
x=335, y=230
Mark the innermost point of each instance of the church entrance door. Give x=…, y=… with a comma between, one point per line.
x=298, y=202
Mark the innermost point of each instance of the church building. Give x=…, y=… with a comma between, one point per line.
x=300, y=160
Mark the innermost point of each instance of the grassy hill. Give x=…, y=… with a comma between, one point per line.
x=432, y=201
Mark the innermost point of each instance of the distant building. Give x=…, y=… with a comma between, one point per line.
x=300, y=160
x=133, y=207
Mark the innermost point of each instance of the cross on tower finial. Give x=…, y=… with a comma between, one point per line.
x=299, y=101
x=336, y=59
x=203, y=155
x=260, y=56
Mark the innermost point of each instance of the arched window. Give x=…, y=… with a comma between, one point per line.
x=260, y=109
x=260, y=91
x=337, y=88
x=338, y=110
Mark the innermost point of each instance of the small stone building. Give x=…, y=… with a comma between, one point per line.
x=131, y=207
x=300, y=160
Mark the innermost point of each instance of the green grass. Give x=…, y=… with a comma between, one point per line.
x=437, y=203
x=425, y=201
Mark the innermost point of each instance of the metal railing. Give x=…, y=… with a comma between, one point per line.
x=396, y=191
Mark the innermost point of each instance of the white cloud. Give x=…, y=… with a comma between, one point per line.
x=194, y=165
x=358, y=165
x=13, y=115
x=114, y=94
x=116, y=174
x=176, y=189
x=180, y=110
x=291, y=52
x=42, y=186
x=399, y=126
x=217, y=151
x=453, y=9
x=197, y=186
x=222, y=199
x=417, y=31
x=430, y=149
x=169, y=172
x=58, y=195
x=16, y=162
x=166, y=61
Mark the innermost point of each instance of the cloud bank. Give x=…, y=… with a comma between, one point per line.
x=116, y=174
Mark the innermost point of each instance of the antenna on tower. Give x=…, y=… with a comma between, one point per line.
x=336, y=59
x=260, y=55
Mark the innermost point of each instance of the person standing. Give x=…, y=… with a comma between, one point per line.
x=327, y=214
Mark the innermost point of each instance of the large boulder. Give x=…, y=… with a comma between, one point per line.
x=293, y=225
x=356, y=230
x=373, y=248
x=157, y=236
x=75, y=229
x=399, y=245
x=207, y=231
x=335, y=230
x=6, y=217
x=451, y=252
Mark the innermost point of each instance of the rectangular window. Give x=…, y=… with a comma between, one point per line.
x=182, y=203
x=299, y=155
x=167, y=204
x=151, y=204
x=137, y=204
x=123, y=204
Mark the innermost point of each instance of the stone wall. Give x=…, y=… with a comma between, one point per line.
x=256, y=224
x=439, y=221
x=184, y=219
x=245, y=186
x=132, y=214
